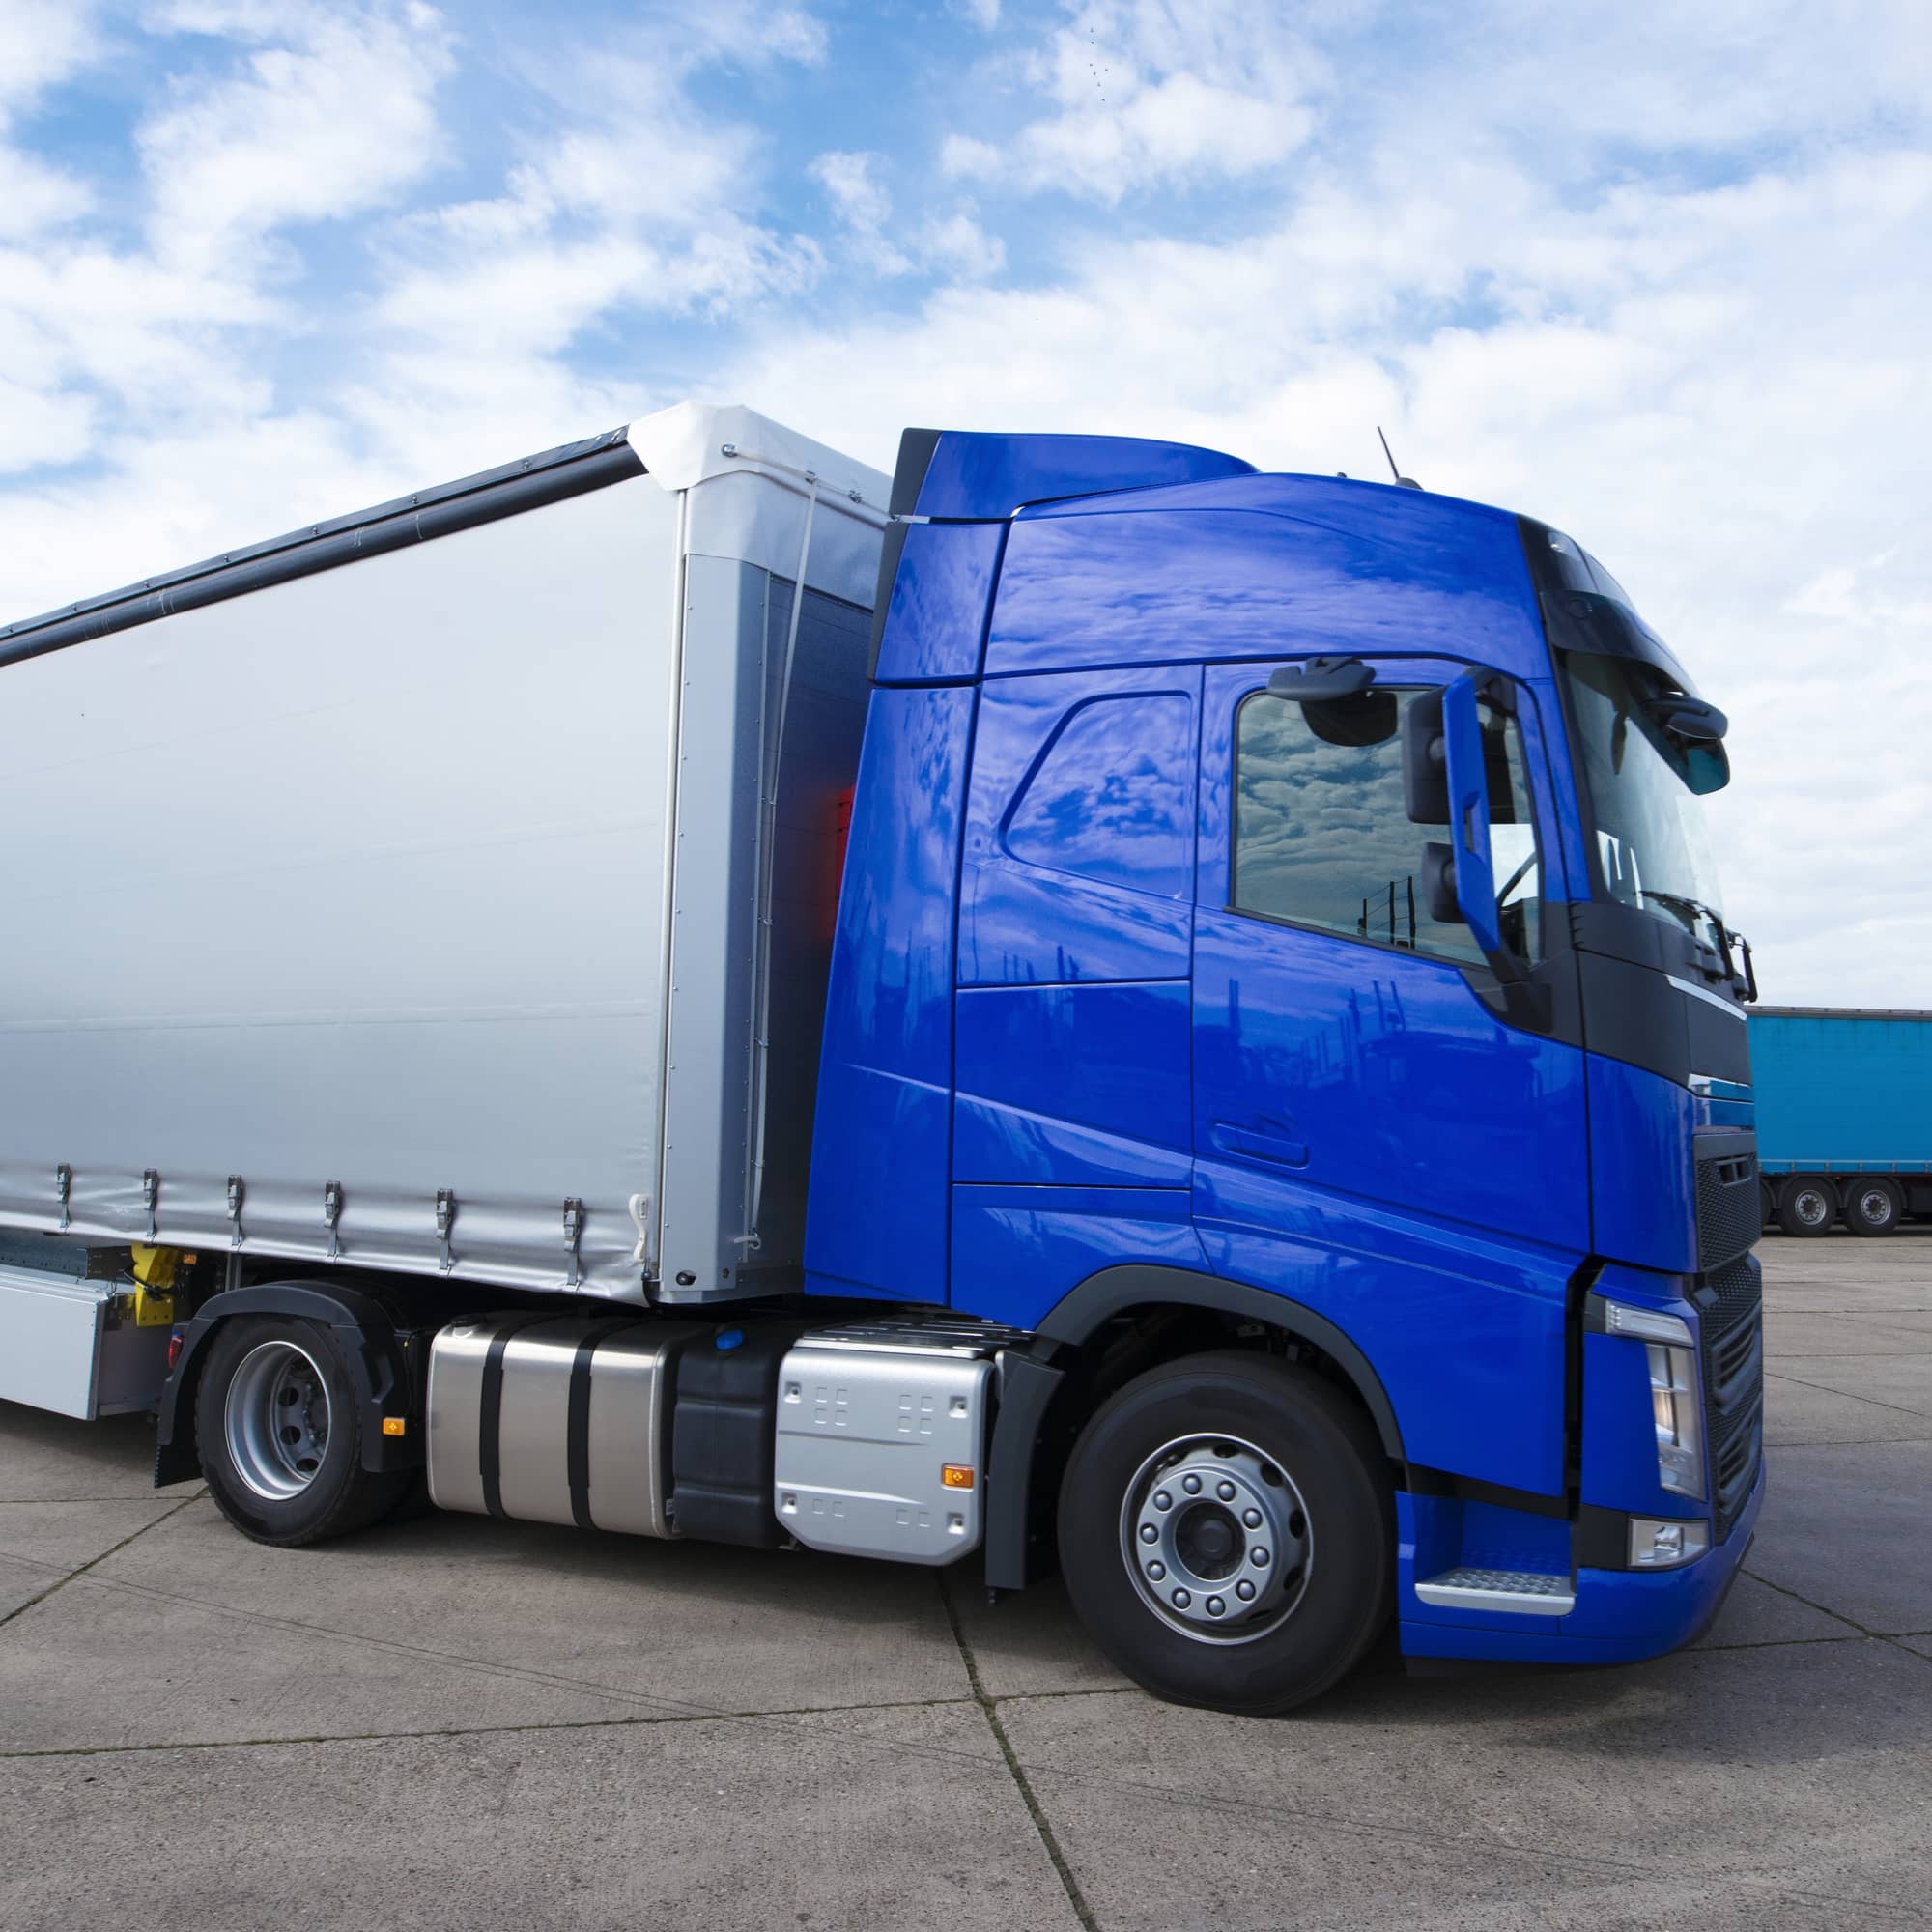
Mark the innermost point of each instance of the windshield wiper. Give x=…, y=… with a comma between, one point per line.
x=1744, y=983
x=1689, y=910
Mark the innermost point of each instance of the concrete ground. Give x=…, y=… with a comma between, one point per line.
x=455, y=1722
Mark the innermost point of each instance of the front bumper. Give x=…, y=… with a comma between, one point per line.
x=1621, y=1616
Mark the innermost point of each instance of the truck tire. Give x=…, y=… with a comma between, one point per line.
x=1807, y=1204
x=279, y=1432
x=1190, y=1516
x=1873, y=1204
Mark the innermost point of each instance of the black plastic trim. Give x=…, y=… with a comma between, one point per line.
x=1082, y=1310
x=1601, y=1540
x=376, y=1350
x=577, y=1422
x=570, y=470
x=1469, y=1489
x=489, y=1411
x=916, y=452
x=1027, y=1388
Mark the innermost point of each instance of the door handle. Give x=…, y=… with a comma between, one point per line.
x=1256, y=1144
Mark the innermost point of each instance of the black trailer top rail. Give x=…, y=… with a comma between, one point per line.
x=568, y=471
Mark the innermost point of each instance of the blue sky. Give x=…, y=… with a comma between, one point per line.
x=1656, y=274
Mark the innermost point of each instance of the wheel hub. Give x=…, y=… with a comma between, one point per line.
x=275, y=1420
x=1216, y=1538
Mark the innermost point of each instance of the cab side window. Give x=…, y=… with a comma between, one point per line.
x=1322, y=836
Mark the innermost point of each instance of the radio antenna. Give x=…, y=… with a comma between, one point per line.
x=1403, y=482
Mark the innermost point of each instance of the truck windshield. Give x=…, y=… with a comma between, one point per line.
x=1652, y=847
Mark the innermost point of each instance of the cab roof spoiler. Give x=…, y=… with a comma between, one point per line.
x=968, y=475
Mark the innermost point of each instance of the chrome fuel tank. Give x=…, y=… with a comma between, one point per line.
x=552, y=1419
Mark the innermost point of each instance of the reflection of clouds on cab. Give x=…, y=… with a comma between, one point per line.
x=1112, y=797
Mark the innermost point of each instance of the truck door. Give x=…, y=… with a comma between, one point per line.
x=1371, y=1137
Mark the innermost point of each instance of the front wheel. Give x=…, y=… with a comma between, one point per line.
x=1225, y=1534
x=277, y=1423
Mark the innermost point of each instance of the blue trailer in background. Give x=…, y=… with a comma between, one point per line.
x=1844, y=1117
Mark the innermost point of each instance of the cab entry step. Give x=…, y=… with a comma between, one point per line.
x=1528, y=1593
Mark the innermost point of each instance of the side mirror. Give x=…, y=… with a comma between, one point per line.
x=1425, y=770
x=1469, y=796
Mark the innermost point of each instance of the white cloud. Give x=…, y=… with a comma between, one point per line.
x=42, y=42
x=959, y=246
x=953, y=244
x=852, y=180
x=1143, y=92
x=334, y=118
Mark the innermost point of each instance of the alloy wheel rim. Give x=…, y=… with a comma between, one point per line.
x=1217, y=1539
x=275, y=1421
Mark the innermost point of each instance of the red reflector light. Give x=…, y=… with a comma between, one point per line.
x=175, y=1340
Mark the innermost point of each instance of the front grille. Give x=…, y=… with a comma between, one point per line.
x=1730, y=1304
x=1730, y=1214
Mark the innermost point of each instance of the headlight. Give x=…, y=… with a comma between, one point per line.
x=1675, y=1410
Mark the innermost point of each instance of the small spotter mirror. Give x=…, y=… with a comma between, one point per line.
x=1337, y=700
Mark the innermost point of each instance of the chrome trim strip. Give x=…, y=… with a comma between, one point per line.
x=1710, y=1087
x=1711, y=998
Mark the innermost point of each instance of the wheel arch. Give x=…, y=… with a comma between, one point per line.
x=379, y=1356
x=1038, y=1386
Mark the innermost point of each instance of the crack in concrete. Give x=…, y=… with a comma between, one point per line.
x=1877, y=1637
x=1041, y=1824
x=62, y=1582
x=1380, y=1829
x=1826, y=1388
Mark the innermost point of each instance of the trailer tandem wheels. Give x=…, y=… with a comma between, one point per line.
x=1087, y=1005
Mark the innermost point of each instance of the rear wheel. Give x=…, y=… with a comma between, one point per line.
x=278, y=1426
x=1225, y=1534
x=1806, y=1204
x=1873, y=1206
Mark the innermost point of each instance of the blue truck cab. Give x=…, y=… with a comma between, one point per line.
x=1278, y=973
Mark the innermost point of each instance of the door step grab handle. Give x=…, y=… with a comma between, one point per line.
x=1255, y=1144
